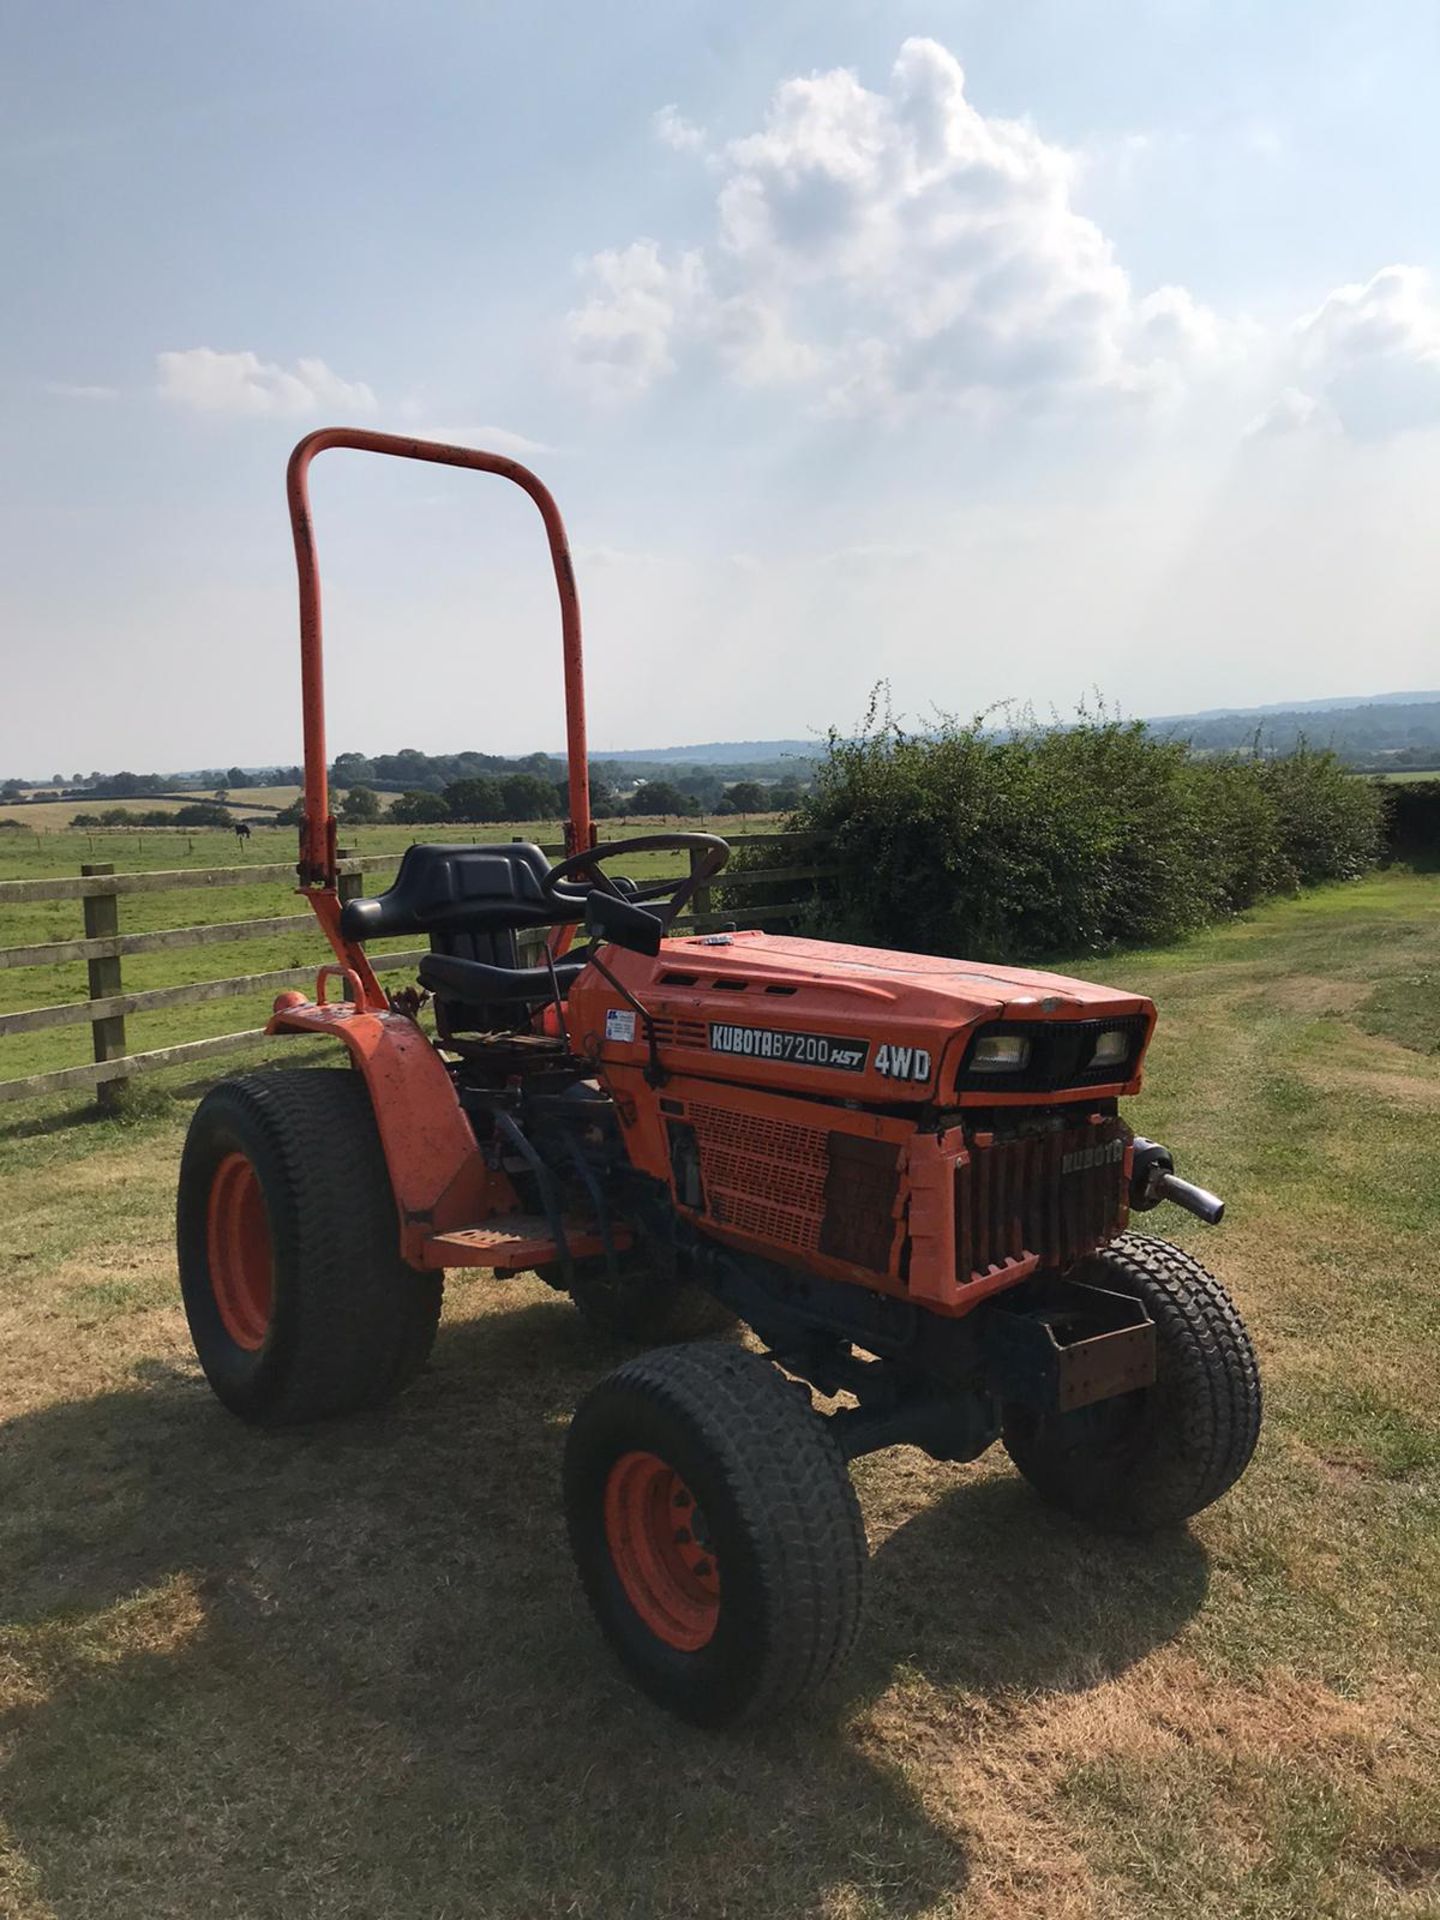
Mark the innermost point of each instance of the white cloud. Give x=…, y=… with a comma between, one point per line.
x=1292, y=411
x=502, y=440
x=672, y=129
x=242, y=383
x=488, y=439
x=1369, y=355
x=890, y=249
x=637, y=304
x=77, y=390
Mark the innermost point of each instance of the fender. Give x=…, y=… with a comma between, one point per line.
x=437, y=1172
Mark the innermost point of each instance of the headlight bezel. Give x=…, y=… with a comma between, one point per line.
x=1114, y=1056
x=1061, y=1056
x=987, y=1054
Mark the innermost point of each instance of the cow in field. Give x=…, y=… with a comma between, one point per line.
x=242, y=831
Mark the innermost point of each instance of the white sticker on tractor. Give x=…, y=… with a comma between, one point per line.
x=619, y=1023
x=903, y=1063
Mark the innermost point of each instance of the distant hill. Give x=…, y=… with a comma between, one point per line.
x=713, y=753
x=1378, y=735
x=1375, y=731
x=1334, y=704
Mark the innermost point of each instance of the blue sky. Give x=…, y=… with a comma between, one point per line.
x=1007, y=351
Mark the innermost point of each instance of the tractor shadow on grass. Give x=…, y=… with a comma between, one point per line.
x=348, y=1670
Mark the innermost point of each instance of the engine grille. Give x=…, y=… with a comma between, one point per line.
x=762, y=1175
x=1048, y=1197
x=1056, y=1196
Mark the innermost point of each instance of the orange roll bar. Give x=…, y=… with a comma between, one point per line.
x=317, y=837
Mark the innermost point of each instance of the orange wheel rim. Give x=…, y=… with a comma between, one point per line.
x=660, y=1546
x=242, y=1275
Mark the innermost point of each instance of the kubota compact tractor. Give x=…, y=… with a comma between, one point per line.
x=908, y=1176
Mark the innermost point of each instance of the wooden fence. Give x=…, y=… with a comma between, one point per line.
x=99, y=889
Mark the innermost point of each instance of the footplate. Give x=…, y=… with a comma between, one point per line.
x=1089, y=1345
x=517, y=1243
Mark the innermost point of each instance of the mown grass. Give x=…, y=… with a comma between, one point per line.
x=347, y=1671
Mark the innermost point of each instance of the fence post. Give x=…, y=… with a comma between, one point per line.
x=700, y=899
x=349, y=886
x=102, y=921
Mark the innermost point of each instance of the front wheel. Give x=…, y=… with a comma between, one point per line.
x=1152, y=1458
x=298, y=1301
x=716, y=1531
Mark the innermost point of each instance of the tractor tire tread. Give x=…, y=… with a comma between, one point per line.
x=788, y=1483
x=361, y=1321
x=1212, y=1396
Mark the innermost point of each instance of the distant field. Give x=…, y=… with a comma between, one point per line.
x=147, y=849
x=1411, y=774
x=50, y=816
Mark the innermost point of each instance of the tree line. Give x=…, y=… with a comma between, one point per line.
x=485, y=800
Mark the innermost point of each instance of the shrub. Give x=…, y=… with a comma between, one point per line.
x=419, y=809
x=528, y=796
x=475, y=800
x=1061, y=839
x=1329, y=823
x=360, y=806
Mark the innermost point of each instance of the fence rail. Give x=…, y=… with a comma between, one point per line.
x=100, y=890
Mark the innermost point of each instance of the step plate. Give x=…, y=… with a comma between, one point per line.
x=514, y=1243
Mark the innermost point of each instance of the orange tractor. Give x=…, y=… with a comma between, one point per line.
x=908, y=1176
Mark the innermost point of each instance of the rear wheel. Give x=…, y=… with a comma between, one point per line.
x=1152, y=1458
x=716, y=1532
x=298, y=1301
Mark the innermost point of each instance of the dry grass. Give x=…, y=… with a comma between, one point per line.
x=348, y=1672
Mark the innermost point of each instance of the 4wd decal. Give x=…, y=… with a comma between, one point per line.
x=794, y=1049
x=903, y=1063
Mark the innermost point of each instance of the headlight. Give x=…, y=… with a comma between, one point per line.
x=1000, y=1053
x=1112, y=1048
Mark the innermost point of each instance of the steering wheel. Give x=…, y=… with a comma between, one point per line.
x=713, y=852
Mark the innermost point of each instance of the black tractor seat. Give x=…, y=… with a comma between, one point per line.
x=476, y=983
x=472, y=902
x=464, y=889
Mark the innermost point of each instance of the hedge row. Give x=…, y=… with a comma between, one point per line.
x=1065, y=839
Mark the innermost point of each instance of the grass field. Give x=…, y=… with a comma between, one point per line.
x=51, y=817
x=146, y=849
x=348, y=1672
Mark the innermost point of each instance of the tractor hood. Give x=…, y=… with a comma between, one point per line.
x=963, y=989
x=855, y=1022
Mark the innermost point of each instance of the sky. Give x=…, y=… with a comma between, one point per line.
x=1041, y=351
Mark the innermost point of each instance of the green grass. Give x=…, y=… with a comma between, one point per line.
x=348, y=1671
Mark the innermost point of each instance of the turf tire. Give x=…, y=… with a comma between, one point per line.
x=781, y=1514
x=1151, y=1459
x=350, y=1322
